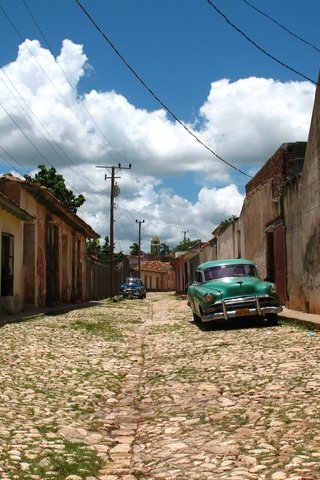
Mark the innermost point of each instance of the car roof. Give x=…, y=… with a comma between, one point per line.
x=133, y=279
x=227, y=261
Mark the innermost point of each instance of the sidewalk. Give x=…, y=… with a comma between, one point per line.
x=40, y=312
x=308, y=319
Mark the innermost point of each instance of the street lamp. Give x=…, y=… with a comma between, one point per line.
x=139, y=243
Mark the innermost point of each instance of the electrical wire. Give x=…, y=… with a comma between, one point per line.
x=25, y=136
x=282, y=26
x=70, y=84
x=40, y=122
x=43, y=126
x=140, y=79
x=258, y=46
x=45, y=73
x=12, y=158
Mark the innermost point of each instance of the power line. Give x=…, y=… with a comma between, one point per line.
x=40, y=122
x=45, y=73
x=139, y=78
x=71, y=86
x=12, y=158
x=43, y=126
x=25, y=136
x=258, y=46
x=282, y=26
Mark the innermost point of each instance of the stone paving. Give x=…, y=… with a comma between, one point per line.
x=134, y=390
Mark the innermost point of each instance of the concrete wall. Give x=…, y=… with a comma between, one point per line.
x=294, y=257
x=70, y=274
x=12, y=225
x=208, y=252
x=229, y=242
x=156, y=281
x=310, y=211
x=258, y=211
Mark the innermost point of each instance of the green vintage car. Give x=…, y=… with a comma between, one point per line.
x=225, y=289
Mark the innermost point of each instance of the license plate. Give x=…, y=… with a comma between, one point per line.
x=242, y=312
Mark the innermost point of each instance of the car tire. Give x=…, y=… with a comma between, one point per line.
x=272, y=319
x=196, y=318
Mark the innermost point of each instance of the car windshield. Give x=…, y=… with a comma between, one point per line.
x=133, y=280
x=222, y=271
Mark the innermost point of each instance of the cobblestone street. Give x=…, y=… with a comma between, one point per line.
x=135, y=390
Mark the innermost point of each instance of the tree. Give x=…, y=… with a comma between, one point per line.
x=164, y=250
x=93, y=247
x=134, y=249
x=185, y=245
x=103, y=252
x=55, y=183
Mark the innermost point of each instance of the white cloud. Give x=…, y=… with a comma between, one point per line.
x=247, y=120
x=244, y=122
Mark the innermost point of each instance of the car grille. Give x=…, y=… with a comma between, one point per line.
x=243, y=302
x=249, y=302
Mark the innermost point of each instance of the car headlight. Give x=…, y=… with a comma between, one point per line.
x=209, y=297
x=273, y=289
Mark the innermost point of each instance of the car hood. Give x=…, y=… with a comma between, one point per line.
x=237, y=287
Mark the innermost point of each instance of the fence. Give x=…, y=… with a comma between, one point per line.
x=98, y=279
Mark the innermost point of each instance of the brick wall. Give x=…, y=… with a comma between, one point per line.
x=283, y=165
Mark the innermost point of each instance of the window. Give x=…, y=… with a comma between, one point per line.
x=199, y=277
x=7, y=257
x=235, y=270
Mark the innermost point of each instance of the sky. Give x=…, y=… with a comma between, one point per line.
x=195, y=95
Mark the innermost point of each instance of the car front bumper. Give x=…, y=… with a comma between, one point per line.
x=132, y=293
x=241, y=307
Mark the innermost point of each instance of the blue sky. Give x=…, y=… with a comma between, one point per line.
x=239, y=101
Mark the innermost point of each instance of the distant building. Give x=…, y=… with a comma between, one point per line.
x=158, y=276
x=155, y=245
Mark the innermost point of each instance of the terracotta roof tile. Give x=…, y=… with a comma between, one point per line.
x=155, y=266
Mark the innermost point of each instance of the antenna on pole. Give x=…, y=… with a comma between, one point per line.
x=185, y=235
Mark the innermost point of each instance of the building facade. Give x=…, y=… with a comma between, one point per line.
x=52, y=267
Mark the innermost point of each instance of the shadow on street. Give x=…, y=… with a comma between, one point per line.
x=233, y=324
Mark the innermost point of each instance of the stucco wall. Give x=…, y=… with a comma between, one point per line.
x=258, y=211
x=294, y=258
x=209, y=252
x=228, y=245
x=154, y=280
x=310, y=209
x=12, y=225
x=69, y=279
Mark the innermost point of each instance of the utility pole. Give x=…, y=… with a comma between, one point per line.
x=139, y=245
x=185, y=235
x=113, y=193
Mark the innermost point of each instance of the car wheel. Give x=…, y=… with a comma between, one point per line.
x=196, y=318
x=272, y=319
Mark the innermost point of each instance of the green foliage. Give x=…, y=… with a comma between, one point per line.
x=134, y=249
x=99, y=327
x=55, y=183
x=74, y=459
x=185, y=245
x=102, y=252
x=93, y=247
x=164, y=250
x=224, y=225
